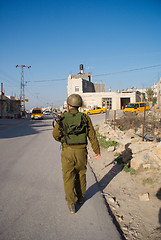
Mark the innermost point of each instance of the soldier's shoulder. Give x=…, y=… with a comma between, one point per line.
x=86, y=116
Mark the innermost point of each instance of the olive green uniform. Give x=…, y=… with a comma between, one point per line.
x=74, y=161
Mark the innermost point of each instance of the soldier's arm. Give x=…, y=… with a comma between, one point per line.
x=57, y=132
x=92, y=137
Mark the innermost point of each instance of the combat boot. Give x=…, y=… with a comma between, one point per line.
x=81, y=200
x=71, y=208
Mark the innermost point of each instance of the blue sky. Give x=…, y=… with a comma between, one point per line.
x=55, y=37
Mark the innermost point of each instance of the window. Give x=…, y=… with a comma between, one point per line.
x=142, y=104
x=109, y=102
x=76, y=89
x=36, y=111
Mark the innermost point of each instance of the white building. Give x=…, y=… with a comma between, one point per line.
x=159, y=93
x=155, y=90
x=93, y=94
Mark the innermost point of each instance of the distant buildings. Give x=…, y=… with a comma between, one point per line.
x=9, y=106
x=93, y=94
x=158, y=94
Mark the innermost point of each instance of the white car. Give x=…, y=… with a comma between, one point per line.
x=47, y=112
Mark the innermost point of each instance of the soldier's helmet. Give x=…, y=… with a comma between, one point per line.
x=75, y=100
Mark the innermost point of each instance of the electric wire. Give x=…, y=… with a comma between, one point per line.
x=125, y=71
x=97, y=75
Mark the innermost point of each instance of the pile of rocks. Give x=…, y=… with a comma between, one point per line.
x=131, y=146
x=131, y=198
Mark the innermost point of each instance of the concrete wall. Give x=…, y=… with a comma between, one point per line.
x=73, y=84
x=95, y=99
x=81, y=83
x=159, y=94
x=99, y=87
x=87, y=86
x=9, y=106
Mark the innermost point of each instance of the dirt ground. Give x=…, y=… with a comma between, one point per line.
x=134, y=201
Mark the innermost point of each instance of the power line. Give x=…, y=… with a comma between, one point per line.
x=103, y=74
x=130, y=70
x=52, y=80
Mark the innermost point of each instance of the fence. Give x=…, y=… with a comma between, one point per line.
x=148, y=123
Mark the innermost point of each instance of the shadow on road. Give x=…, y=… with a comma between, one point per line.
x=17, y=128
x=102, y=184
x=119, y=163
x=158, y=195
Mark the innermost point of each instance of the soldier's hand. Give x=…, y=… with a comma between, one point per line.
x=97, y=156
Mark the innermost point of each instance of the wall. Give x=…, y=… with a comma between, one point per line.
x=81, y=81
x=93, y=94
x=9, y=106
x=159, y=94
x=72, y=83
x=99, y=87
x=87, y=86
x=95, y=99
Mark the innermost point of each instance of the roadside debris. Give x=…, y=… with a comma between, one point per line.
x=144, y=197
x=133, y=199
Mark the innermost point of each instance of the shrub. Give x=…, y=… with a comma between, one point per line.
x=103, y=142
x=127, y=168
x=129, y=121
x=147, y=181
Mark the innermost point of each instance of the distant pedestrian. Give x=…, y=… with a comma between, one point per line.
x=72, y=130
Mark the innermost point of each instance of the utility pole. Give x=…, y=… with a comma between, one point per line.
x=143, y=127
x=22, y=94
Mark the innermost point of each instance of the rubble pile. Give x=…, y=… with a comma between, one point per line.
x=144, y=154
x=133, y=199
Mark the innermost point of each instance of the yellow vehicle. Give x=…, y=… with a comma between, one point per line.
x=37, y=113
x=95, y=110
x=137, y=107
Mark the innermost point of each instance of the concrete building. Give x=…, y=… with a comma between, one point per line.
x=93, y=94
x=159, y=94
x=80, y=83
x=9, y=106
x=155, y=90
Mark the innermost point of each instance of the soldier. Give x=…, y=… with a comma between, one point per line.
x=72, y=130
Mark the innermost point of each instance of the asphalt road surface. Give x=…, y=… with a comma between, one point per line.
x=32, y=204
x=99, y=118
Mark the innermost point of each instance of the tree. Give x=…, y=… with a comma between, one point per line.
x=150, y=94
x=154, y=101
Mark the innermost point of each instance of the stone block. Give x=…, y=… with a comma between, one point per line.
x=144, y=197
x=157, y=151
x=146, y=166
x=140, y=146
x=111, y=149
x=138, y=160
x=135, y=163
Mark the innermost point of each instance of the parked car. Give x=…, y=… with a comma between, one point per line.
x=37, y=113
x=137, y=107
x=95, y=110
x=47, y=112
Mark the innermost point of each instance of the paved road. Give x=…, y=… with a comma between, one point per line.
x=99, y=118
x=32, y=205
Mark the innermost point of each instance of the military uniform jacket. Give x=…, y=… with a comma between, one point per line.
x=91, y=135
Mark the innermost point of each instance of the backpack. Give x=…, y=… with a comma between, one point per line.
x=74, y=128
